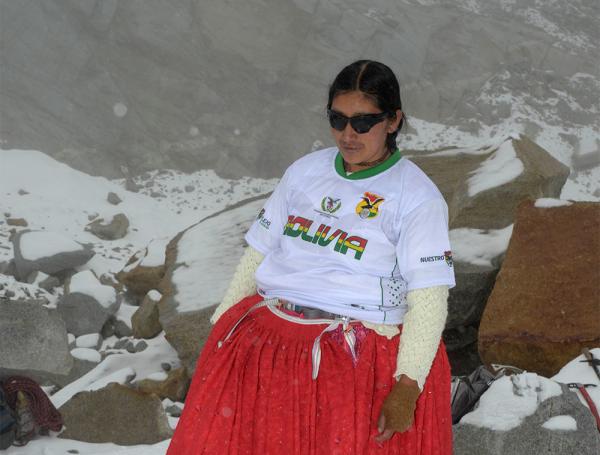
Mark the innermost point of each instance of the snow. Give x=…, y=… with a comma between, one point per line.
x=479, y=246
x=125, y=312
x=86, y=283
x=155, y=253
x=90, y=340
x=121, y=367
x=500, y=168
x=216, y=241
x=547, y=202
x=560, y=423
x=87, y=354
x=37, y=244
x=154, y=295
x=158, y=376
x=510, y=399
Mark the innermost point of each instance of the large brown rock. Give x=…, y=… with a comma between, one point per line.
x=453, y=171
x=545, y=305
x=200, y=262
x=115, y=414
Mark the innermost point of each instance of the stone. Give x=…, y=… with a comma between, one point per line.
x=468, y=298
x=185, y=316
x=145, y=321
x=115, y=229
x=82, y=313
x=115, y=414
x=122, y=329
x=175, y=387
x=140, y=279
x=539, y=314
x=21, y=222
x=174, y=410
x=473, y=205
x=108, y=329
x=113, y=198
x=34, y=341
x=73, y=255
x=140, y=346
x=530, y=437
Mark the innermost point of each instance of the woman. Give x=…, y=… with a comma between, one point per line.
x=328, y=340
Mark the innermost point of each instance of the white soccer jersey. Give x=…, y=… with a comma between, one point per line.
x=352, y=244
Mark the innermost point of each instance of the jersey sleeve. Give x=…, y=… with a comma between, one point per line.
x=265, y=232
x=423, y=250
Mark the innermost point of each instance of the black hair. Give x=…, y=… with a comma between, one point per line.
x=375, y=80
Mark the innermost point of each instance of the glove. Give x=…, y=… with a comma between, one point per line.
x=398, y=411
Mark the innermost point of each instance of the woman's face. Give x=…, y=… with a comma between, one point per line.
x=354, y=147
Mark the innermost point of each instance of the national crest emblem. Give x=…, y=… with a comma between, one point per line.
x=330, y=205
x=368, y=207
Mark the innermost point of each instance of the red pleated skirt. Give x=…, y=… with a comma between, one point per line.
x=255, y=394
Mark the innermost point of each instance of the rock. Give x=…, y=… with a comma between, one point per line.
x=115, y=414
x=166, y=366
x=66, y=254
x=122, y=329
x=468, y=298
x=530, y=436
x=184, y=316
x=33, y=341
x=8, y=268
x=189, y=188
x=145, y=269
x=539, y=314
x=174, y=410
x=140, y=346
x=49, y=282
x=80, y=368
x=87, y=305
x=108, y=329
x=113, y=230
x=466, y=177
x=145, y=321
x=113, y=198
x=22, y=192
x=130, y=347
x=174, y=387
x=17, y=222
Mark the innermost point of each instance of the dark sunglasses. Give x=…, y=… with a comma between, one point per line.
x=360, y=123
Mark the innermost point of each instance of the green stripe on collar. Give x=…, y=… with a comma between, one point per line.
x=366, y=173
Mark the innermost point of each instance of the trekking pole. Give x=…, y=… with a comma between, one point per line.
x=581, y=387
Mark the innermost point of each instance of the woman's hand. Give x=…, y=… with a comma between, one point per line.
x=398, y=411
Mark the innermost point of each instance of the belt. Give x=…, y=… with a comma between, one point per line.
x=334, y=322
x=308, y=312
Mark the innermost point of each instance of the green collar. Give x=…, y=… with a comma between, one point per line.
x=366, y=173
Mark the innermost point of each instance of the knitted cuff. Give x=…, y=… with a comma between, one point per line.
x=242, y=284
x=421, y=332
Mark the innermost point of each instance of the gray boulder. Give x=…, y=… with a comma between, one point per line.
x=66, y=254
x=34, y=341
x=113, y=198
x=532, y=436
x=88, y=304
x=115, y=414
x=115, y=229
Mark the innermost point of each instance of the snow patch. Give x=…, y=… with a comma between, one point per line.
x=90, y=340
x=479, y=246
x=87, y=354
x=500, y=168
x=560, y=423
x=86, y=283
x=547, y=202
x=37, y=244
x=510, y=399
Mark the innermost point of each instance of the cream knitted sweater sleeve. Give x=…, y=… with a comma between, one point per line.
x=421, y=332
x=242, y=284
